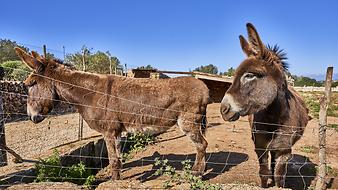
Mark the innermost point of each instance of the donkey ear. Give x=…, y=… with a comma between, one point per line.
x=30, y=61
x=254, y=39
x=247, y=49
x=36, y=56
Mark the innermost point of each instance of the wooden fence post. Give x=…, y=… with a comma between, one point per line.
x=324, y=103
x=44, y=48
x=3, y=153
x=80, y=134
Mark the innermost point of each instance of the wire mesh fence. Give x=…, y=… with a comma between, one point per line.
x=32, y=142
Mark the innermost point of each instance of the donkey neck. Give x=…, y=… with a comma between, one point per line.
x=278, y=111
x=78, y=87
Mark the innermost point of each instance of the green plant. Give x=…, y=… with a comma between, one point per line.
x=51, y=169
x=186, y=176
x=333, y=126
x=312, y=102
x=313, y=106
x=15, y=70
x=134, y=143
x=308, y=149
x=331, y=171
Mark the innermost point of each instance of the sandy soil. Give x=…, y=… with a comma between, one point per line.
x=230, y=154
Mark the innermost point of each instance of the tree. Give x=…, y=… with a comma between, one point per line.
x=98, y=62
x=148, y=67
x=15, y=70
x=7, y=52
x=306, y=81
x=230, y=72
x=212, y=69
x=334, y=84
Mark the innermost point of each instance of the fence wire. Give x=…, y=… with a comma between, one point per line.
x=223, y=165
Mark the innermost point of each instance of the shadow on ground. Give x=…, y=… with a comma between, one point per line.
x=300, y=173
x=217, y=163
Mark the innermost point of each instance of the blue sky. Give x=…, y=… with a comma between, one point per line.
x=178, y=34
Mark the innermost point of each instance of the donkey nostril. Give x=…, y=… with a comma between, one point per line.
x=37, y=118
x=225, y=108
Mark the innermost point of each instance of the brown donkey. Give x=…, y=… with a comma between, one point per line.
x=277, y=114
x=111, y=104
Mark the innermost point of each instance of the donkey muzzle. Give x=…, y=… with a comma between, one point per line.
x=37, y=118
x=227, y=114
x=230, y=109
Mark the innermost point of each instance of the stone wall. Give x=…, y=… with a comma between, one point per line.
x=14, y=94
x=313, y=89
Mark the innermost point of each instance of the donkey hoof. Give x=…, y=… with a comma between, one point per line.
x=197, y=173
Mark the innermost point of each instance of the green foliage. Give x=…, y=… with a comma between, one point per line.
x=96, y=62
x=177, y=178
x=313, y=106
x=136, y=142
x=308, y=149
x=148, y=67
x=334, y=84
x=212, y=69
x=15, y=70
x=230, y=72
x=306, y=81
x=7, y=52
x=331, y=171
x=333, y=107
x=50, y=169
x=312, y=102
x=333, y=126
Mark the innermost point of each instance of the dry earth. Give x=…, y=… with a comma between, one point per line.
x=230, y=154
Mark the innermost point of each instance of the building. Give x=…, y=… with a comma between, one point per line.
x=217, y=84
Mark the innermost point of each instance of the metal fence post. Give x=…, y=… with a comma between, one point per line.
x=324, y=103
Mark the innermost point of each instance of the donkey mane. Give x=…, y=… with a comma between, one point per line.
x=276, y=55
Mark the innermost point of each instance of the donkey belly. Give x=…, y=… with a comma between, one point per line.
x=151, y=124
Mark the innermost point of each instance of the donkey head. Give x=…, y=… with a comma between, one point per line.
x=257, y=80
x=41, y=89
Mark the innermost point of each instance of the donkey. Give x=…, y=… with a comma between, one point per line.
x=277, y=114
x=111, y=104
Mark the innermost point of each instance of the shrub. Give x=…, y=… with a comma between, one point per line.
x=308, y=149
x=176, y=178
x=15, y=70
x=50, y=169
x=134, y=143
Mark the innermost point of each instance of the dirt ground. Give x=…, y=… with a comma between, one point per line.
x=230, y=154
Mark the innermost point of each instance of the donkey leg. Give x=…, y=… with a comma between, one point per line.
x=273, y=164
x=264, y=172
x=281, y=167
x=113, y=155
x=193, y=130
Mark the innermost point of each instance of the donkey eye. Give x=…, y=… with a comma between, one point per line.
x=250, y=75
x=247, y=77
